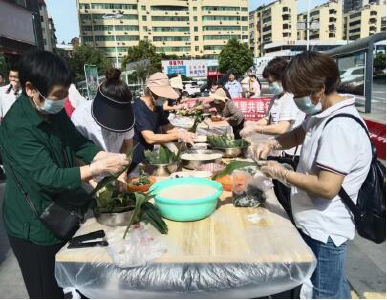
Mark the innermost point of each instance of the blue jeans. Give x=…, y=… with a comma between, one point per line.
x=328, y=279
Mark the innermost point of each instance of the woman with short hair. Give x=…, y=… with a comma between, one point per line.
x=333, y=155
x=283, y=114
x=39, y=146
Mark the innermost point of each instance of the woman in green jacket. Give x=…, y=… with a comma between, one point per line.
x=39, y=146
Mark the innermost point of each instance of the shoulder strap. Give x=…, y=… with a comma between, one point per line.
x=357, y=120
x=342, y=193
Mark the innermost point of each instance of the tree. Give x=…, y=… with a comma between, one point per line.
x=380, y=61
x=87, y=55
x=235, y=56
x=144, y=50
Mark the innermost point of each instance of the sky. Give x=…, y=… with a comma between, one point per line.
x=64, y=13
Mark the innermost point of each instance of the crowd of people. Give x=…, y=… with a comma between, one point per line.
x=47, y=153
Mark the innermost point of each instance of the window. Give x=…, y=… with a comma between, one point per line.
x=171, y=29
x=221, y=18
x=219, y=37
x=113, y=6
x=121, y=38
x=213, y=47
x=170, y=19
x=143, y=7
x=110, y=28
x=196, y=48
x=172, y=49
x=144, y=18
x=169, y=8
x=171, y=38
x=196, y=38
x=222, y=28
x=126, y=17
x=84, y=6
x=223, y=8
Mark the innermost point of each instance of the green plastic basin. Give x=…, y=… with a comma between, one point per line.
x=186, y=210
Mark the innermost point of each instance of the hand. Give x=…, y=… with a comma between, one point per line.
x=275, y=170
x=121, y=183
x=185, y=136
x=262, y=149
x=112, y=164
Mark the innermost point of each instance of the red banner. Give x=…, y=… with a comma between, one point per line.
x=378, y=136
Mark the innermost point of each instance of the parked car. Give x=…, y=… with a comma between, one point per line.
x=355, y=73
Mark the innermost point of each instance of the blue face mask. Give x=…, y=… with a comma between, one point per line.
x=275, y=88
x=50, y=106
x=305, y=105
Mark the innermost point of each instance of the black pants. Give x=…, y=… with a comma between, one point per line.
x=37, y=264
x=237, y=129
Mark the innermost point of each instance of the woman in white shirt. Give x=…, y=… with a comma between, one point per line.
x=335, y=156
x=108, y=120
x=283, y=114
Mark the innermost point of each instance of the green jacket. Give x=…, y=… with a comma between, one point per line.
x=35, y=150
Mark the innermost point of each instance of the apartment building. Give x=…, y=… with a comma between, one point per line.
x=272, y=23
x=364, y=22
x=47, y=26
x=191, y=28
x=350, y=5
x=326, y=19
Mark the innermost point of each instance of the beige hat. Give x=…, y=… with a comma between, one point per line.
x=219, y=94
x=158, y=83
x=176, y=82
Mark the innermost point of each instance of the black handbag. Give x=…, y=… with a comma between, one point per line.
x=65, y=214
x=281, y=191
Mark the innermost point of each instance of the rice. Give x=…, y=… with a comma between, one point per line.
x=187, y=192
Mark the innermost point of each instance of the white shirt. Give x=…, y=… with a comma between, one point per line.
x=89, y=128
x=284, y=109
x=343, y=148
x=7, y=99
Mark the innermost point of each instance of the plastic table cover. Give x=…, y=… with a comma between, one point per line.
x=234, y=253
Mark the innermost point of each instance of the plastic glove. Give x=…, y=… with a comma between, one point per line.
x=185, y=136
x=121, y=183
x=112, y=164
x=275, y=170
x=262, y=149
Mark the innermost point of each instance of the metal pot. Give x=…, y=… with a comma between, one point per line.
x=113, y=219
x=161, y=170
x=233, y=152
x=195, y=164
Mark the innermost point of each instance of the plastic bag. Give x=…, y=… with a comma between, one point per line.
x=140, y=247
x=249, y=191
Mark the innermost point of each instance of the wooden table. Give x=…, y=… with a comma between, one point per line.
x=234, y=253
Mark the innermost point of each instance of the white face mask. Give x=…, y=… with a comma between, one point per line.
x=50, y=106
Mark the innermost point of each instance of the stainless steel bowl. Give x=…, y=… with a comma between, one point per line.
x=161, y=169
x=194, y=164
x=113, y=219
x=233, y=152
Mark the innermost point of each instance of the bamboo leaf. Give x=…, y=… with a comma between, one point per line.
x=234, y=165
